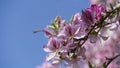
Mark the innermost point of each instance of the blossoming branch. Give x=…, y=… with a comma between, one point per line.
x=69, y=43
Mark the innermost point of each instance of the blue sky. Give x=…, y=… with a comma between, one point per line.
x=19, y=47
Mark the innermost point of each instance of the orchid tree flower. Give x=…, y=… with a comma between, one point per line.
x=68, y=42
x=91, y=15
x=53, y=48
x=47, y=65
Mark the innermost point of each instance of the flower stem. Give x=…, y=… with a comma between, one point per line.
x=100, y=23
x=109, y=60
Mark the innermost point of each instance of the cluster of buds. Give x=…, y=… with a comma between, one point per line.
x=69, y=42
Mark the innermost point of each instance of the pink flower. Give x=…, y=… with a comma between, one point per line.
x=52, y=47
x=47, y=65
x=49, y=32
x=76, y=19
x=69, y=42
x=92, y=14
x=106, y=2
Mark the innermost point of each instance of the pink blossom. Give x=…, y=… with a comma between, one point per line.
x=52, y=45
x=46, y=65
x=69, y=42
x=49, y=32
x=92, y=14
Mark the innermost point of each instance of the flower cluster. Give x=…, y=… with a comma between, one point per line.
x=71, y=43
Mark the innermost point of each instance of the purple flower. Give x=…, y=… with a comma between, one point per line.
x=49, y=32
x=68, y=42
x=97, y=10
x=72, y=31
x=92, y=14
x=46, y=65
x=66, y=31
x=52, y=45
x=81, y=52
x=60, y=22
x=76, y=19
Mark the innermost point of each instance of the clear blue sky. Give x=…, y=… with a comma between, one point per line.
x=19, y=47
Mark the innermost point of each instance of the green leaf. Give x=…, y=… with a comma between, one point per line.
x=104, y=65
x=89, y=64
x=71, y=19
x=56, y=18
x=94, y=33
x=87, y=30
x=112, y=15
x=99, y=25
x=54, y=25
x=74, y=56
x=111, y=6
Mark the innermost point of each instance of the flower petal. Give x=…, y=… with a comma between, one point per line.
x=93, y=39
x=50, y=56
x=46, y=49
x=104, y=37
